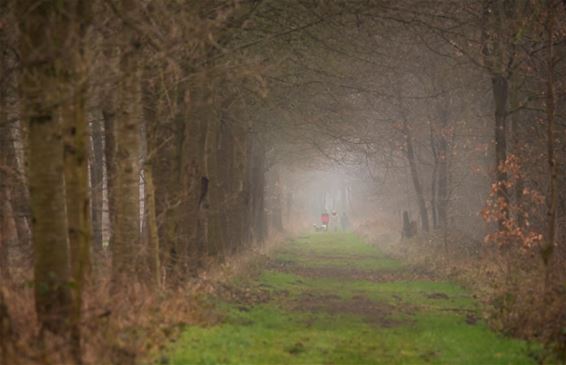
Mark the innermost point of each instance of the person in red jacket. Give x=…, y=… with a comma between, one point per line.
x=325, y=219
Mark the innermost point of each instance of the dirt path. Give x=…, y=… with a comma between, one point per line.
x=331, y=299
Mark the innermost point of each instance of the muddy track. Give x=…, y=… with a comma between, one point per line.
x=375, y=313
x=348, y=273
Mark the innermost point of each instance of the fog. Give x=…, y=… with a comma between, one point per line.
x=246, y=177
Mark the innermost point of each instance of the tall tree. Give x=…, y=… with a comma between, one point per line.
x=76, y=149
x=151, y=237
x=45, y=32
x=97, y=181
x=126, y=245
x=550, y=109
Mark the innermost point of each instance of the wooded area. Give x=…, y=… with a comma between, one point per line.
x=145, y=143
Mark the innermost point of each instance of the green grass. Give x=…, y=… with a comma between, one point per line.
x=427, y=320
x=340, y=250
x=324, y=244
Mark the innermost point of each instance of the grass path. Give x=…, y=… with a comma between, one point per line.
x=331, y=299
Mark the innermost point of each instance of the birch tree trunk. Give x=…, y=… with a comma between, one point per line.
x=109, y=117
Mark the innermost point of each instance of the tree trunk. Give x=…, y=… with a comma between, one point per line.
x=126, y=228
x=225, y=185
x=516, y=151
x=415, y=177
x=257, y=193
x=276, y=206
x=5, y=179
x=167, y=190
x=20, y=196
x=127, y=252
x=5, y=212
x=44, y=31
x=241, y=166
x=109, y=117
x=189, y=170
x=76, y=148
x=196, y=135
x=14, y=174
x=289, y=222
x=495, y=49
x=434, y=180
x=500, y=89
x=150, y=211
x=96, y=182
x=151, y=226
x=215, y=243
x=550, y=106
x=443, y=171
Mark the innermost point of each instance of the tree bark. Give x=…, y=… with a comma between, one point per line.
x=215, y=243
x=5, y=212
x=516, y=150
x=151, y=226
x=443, y=171
x=5, y=179
x=14, y=174
x=199, y=192
x=550, y=106
x=97, y=182
x=168, y=193
x=415, y=178
x=126, y=248
x=434, y=180
x=150, y=211
x=496, y=49
x=277, y=214
x=44, y=32
x=224, y=161
x=500, y=89
x=109, y=117
x=126, y=228
x=20, y=195
x=241, y=166
x=76, y=149
x=258, y=220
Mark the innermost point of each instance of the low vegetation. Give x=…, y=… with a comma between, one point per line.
x=292, y=312
x=508, y=285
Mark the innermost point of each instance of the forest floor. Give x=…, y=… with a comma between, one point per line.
x=332, y=299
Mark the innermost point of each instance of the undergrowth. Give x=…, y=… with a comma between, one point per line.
x=510, y=286
x=123, y=327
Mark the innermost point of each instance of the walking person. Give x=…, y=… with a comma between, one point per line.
x=325, y=219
